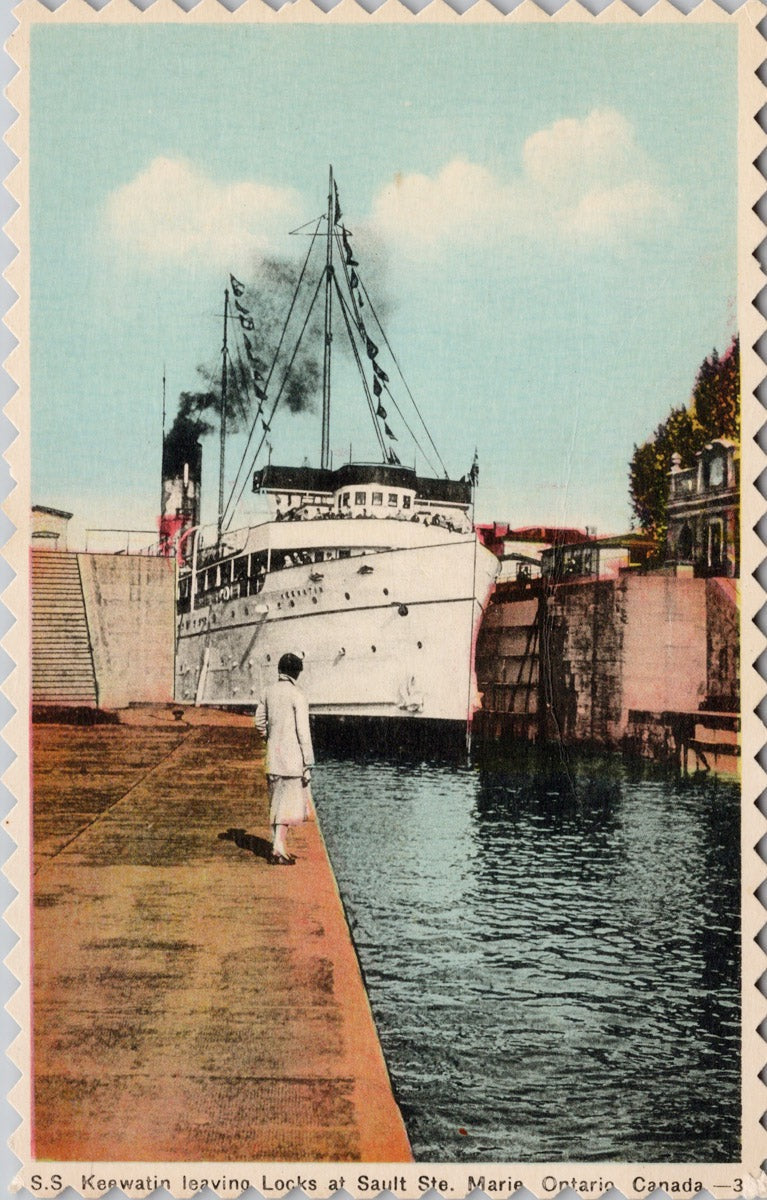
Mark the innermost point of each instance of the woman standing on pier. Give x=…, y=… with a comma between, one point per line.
x=283, y=718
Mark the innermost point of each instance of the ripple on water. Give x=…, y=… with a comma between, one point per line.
x=557, y=976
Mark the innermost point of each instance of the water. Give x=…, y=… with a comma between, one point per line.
x=554, y=970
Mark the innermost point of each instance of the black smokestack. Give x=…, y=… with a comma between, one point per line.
x=182, y=441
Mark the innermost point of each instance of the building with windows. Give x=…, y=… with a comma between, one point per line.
x=49, y=527
x=704, y=511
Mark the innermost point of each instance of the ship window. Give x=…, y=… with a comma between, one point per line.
x=359, y=497
x=406, y=502
x=392, y=499
x=346, y=499
x=377, y=498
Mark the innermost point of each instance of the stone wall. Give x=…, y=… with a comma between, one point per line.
x=130, y=610
x=722, y=645
x=583, y=666
x=640, y=642
x=664, y=665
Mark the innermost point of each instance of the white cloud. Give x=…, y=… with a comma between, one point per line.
x=425, y=210
x=171, y=212
x=583, y=180
x=598, y=150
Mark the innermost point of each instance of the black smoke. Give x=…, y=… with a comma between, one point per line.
x=199, y=413
x=181, y=444
x=268, y=300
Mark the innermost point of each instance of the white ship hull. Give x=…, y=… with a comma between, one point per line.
x=384, y=633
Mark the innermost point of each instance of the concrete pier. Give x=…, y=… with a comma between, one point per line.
x=191, y=1002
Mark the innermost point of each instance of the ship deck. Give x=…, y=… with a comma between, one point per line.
x=192, y=1002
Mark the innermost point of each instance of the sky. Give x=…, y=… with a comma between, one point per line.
x=544, y=214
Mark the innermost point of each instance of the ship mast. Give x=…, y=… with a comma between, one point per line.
x=325, y=452
x=222, y=452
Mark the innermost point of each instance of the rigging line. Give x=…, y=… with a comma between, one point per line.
x=275, y=357
x=259, y=405
x=402, y=377
x=276, y=400
x=350, y=290
x=314, y=221
x=249, y=383
x=268, y=380
x=388, y=392
x=238, y=373
x=410, y=431
x=268, y=424
x=369, y=398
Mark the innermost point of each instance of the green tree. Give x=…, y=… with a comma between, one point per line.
x=716, y=395
x=713, y=411
x=649, y=468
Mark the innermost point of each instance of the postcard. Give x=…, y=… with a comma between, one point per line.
x=385, y=511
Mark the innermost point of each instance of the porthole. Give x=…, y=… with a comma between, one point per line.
x=292, y=604
x=420, y=645
x=386, y=591
x=314, y=599
x=348, y=597
x=268, y=658
x=373, y=649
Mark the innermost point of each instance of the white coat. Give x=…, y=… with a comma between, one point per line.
x=283, y=717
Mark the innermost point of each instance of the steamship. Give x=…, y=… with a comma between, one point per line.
x=371, y=571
